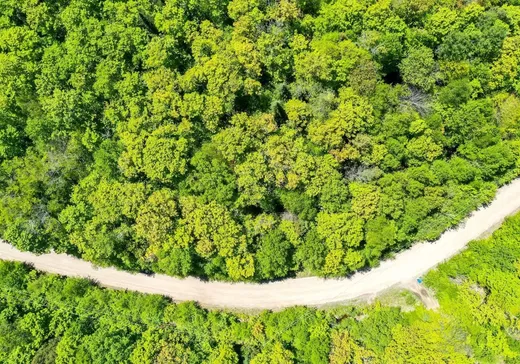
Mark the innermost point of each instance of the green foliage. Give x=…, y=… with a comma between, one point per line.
x=480, y=287
x=273, y=256
x=418, y=68
x=49, y=319
x=234, y=139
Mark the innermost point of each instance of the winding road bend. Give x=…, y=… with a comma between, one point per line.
x=311, y=291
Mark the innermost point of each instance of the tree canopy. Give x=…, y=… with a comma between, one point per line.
x=252, y=140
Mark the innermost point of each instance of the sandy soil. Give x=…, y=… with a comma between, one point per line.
x=405, y=267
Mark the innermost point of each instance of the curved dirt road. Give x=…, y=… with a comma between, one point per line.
x=300, y=291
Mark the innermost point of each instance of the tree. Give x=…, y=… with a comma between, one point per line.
x=253, y=179
x=299, y=204
x=288, y=159
x=154, y=221
x=425, y=342
x=422, y=148
x=345, y=350
x=418, y=68
x=380, y=235
x=98, y=220
x=210, y=230
x=163, y=345
x=224, y=354
x=505, y=68
x=298, y=113
x=273, y=256
x=311, y=252
x=365, y=199
x=12, y=138
x=277, y=354
x=164, y=158
x=353, y=115
x=329, y=60
x=509, y=115
x=212, y=178
x=349, y=19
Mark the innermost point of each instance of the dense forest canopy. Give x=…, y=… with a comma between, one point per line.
x=252, y=139
x=45, y=319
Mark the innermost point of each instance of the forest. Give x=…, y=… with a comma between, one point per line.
x=251, y=140
x=47, y=319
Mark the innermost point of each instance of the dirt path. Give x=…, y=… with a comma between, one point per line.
x=424, y=294
x=300, y=291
